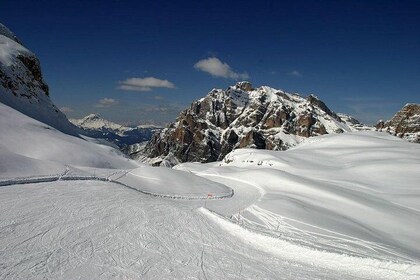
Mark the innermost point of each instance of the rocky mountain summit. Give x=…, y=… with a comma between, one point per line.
x=242, y=116
x=95, y=126
x=405, y=123
x=22, y=86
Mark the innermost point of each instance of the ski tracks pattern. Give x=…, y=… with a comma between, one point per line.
x=66, y=230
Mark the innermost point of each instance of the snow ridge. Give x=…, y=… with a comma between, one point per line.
x=8, y=33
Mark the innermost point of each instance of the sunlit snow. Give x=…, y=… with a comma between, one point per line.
x=335, y=207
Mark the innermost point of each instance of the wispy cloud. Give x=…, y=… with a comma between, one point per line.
x=296, y=74
x=217, y=68
x=66, y=109
x=106, y=102
x=144, y=84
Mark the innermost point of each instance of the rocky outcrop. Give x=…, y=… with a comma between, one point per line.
x=405, y=123
x=245, y=86
x=22, y=86
x=238, y=117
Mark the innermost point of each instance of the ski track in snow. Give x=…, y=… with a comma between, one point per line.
x=241, y=207
x=96, y=230
x=281, y=227
x=93, y=229
x=102, y=216
x=119, y=174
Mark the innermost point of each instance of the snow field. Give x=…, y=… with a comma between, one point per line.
x=354, y=193
x=338, y=206
x=91, y=230
x=343, y=264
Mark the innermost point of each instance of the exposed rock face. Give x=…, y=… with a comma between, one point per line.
x=22, y=86
x=405, y=123
x=238, y=117
x=245, y=86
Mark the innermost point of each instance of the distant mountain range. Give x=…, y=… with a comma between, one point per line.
x=237, y=117
x=95, y=126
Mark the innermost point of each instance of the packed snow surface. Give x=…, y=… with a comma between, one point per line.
x=355, y=193
x=341, y=207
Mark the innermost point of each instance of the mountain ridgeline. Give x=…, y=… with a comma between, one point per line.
x=242, y=116
x=22, y=86
x=95, y=126
x=238, y=117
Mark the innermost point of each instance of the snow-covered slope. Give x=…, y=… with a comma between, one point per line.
x=355, y=193
x=335, y=207
x=85, y=230
x=31, y=150
x=354, y=124
x=239, y=117
x=22, y=86
x=30, y=141
x=95, y=214
x=95, y=126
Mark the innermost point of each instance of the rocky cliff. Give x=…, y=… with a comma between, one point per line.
x=405, y=123
x=238, y=117
x=22, y=86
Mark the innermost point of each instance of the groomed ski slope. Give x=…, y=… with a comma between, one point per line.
x=355, y=193
x=87, y=230
x=102, y=229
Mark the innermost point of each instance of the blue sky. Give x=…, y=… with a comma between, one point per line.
x=144, y=61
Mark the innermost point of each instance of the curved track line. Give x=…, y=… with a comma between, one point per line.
x=63, y=177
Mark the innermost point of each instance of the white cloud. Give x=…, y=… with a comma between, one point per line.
x=107, y=102
x=296, y=74
x=66, y=109
x=217, y=68
x=144, y=84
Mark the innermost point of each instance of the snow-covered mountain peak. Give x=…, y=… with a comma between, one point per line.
x=243, y=116
x=92, y=116
x=8, y=33
x=96, y=121
x=96, y=126
x=242, y=94
x=244, y=85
